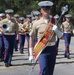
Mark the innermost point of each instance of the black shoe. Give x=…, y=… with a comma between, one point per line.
x=10, y=65
x=7, y=65
x=16, y=50
x=65, y=55
x=68, y=57
x=1, y=59
x=22, y=52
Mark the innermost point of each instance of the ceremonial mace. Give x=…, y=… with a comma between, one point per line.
x=64, y=9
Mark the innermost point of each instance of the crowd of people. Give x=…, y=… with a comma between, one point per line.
x=14, y=29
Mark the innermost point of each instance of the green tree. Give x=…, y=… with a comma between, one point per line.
x=23, y=7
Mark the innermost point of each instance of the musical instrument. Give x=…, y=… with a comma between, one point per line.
x=22, y=28
x=6, y=27
x=26, y=28
x=41, y=44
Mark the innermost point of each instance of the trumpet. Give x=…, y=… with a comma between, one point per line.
x=26, y=28
x=6, y=27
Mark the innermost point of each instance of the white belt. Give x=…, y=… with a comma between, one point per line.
x=67, y=32
x=50, y=43
x=9, y=33
x=22, y=33
x=0, y=32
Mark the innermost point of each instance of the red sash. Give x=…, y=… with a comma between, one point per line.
x=41, y=44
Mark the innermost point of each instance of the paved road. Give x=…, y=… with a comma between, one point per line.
x=21, y=65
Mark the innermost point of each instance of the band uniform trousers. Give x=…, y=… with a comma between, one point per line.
x=28, y=38
x=67, y=38
x=22, y=41
x=1, y=47
x=57, y=45
x=9, y=41
x=47, y=60
x=35, y=40
x=16, y=43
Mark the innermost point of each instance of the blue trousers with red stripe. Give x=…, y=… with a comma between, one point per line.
x=9, y=41
x=67, y=38
x=22, y=41
x=47, y=60
x=35, y=40
x=57, y=45
x=16, y=45
x=28, y=38
x=1, y=46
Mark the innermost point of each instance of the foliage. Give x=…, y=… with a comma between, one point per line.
x=24, y=7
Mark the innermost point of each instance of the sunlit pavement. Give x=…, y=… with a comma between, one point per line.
x=22, y=66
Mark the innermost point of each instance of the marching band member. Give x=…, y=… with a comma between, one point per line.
x=67, y=27
x=37, y=17
x=48, y=56
x=21, y=34
x=16, y=18
x=9, y=35
x=2, y=15
x=29, y=27
x=33, y=19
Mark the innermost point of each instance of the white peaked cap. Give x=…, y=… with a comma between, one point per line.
x=2, y=14
x=68, y=15
x=56, y=16
x=45, y=3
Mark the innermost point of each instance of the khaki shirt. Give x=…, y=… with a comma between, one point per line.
x=21, y=28
x=39, y=28
x=13, y=26
x=67, y=27
x=0, y=27
x=28, y=26
x=34, y=21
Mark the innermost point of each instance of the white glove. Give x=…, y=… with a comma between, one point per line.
x=31, y=54
x=57, y=31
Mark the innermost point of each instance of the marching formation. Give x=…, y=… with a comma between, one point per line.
x=37, y=29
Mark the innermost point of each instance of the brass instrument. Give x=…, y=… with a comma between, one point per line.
x=23, y=29
x=6, y=27
x=26, y=28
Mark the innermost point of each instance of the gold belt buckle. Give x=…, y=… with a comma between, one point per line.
x=11, y=33
x=50, y=43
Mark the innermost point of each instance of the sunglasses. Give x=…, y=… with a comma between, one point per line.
x=46, y=7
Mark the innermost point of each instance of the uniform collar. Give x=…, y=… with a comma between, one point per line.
x=46, y=20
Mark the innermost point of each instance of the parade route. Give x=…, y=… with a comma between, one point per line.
x=22, y=66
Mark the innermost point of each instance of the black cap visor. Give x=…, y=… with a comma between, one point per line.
x=46, y=7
